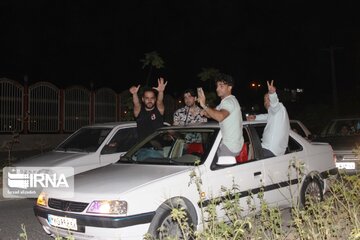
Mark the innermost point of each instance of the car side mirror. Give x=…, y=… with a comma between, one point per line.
x=226, y=160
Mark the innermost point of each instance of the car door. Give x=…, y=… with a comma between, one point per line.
x=280, y=174
x=244, y=178
x=118, y=145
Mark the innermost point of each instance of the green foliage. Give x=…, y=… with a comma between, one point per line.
x=23, y=234
x=208, y=74
x=152, y=59
x=337, y=217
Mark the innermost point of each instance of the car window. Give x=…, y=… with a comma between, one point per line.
x=86, y=139
x=298, y=129
x=246, y=154
x=173, y=147
x=248, y=145
x=122, y=141
x=346, y=127
x=293, y=145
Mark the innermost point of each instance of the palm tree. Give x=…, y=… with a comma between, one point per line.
x=208, y=74
x=153, y=60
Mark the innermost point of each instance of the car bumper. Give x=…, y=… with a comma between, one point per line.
x=348, y=167
x=347, y=162
x=97, y=227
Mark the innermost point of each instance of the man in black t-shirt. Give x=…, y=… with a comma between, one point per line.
x=149, y=114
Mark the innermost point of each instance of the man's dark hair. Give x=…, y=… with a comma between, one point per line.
x=191, y=91
x=148, y=89
x=224, y=78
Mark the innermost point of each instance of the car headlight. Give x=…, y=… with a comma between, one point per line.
x=108, y=207
x=42, y=199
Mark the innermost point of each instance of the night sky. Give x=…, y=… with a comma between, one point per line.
x=79, y=42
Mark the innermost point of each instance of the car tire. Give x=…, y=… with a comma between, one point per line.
x=311, y=188
x=164, y=227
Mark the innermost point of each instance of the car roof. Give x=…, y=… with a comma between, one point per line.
x=346, y=118
x=213, y=124
x=113, y=124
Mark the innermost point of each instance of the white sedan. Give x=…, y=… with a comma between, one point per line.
x=88, y=148
x=134, y=196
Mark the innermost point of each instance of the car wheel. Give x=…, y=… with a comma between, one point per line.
x=311, y=192
x=165, y=227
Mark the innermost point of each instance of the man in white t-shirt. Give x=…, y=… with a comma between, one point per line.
x=276, y=133
x=228, y=114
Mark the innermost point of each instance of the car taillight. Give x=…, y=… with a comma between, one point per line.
x=334, y=158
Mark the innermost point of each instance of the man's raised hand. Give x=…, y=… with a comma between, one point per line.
x=201, y=97
x=161, y=85
x=271, y=87
x=133, y=90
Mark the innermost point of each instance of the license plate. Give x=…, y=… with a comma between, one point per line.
x=62, y=222
x=345, y=165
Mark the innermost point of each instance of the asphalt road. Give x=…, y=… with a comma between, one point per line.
x=18, y=155
x=13, y=213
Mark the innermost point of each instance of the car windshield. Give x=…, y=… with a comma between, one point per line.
x=177, y=146
x=87, y=139
x=346, y=127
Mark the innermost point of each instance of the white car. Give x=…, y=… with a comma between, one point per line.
x=134, y=196
x=298, y=127
x=88, y=148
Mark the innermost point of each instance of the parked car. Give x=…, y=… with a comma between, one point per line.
x=134, y=196
x=88, y=148
x=344, y=136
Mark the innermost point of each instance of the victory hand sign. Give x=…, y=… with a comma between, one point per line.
x=271, y=87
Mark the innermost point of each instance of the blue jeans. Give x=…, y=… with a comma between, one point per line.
x=145, y=153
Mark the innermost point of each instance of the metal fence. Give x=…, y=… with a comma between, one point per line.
x=105, y=105
x=44, y=108
x=11, y=106
x=76, y=108
x=43, y=114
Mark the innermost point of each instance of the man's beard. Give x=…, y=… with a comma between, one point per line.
x=149, y=106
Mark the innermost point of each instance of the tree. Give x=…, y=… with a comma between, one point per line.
x=152, y=60
x=209, y=74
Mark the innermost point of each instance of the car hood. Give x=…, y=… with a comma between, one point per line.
x=109, y=181
x=50, y=159
x=341, y=143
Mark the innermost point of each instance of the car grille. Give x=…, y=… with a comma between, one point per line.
x=67, y=205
